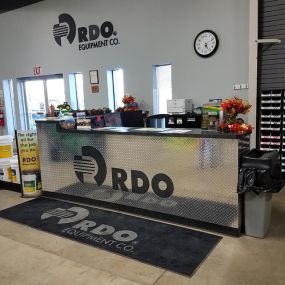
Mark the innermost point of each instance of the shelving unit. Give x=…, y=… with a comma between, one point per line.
x=271, y=123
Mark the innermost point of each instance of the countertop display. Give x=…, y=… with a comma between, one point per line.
x=153, y=131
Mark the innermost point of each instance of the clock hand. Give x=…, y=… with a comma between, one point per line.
x=208, y=41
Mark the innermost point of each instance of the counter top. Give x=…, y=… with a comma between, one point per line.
x=171, y=132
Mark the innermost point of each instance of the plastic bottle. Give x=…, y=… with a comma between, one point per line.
x=15, y=170
x=5, y=170
x=31, y=184
x=6, y=147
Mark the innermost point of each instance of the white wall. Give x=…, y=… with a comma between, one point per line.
x=150, y=32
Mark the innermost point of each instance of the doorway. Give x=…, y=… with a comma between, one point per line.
x=38, y=94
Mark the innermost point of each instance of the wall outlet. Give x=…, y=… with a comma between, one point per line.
x=240, y=86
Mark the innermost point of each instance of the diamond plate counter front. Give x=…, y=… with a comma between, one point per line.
x=194, y=178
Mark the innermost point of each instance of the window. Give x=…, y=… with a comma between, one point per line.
x=55, y=91
x=37, y=94
x=10, y=113
x=76, y=91
x=162, y=88
x=116, y=92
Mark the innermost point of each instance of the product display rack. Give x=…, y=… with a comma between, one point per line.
x=271, y=135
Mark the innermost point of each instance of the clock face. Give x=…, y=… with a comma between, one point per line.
x=206, y=43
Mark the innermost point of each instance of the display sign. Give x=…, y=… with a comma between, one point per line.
x=27, y=143
x=94, y=77
x=95, y=88
x=92, y=36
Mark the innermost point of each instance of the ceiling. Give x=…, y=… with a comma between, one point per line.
x=8, y=5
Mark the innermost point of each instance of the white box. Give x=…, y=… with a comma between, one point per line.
x=179, y=106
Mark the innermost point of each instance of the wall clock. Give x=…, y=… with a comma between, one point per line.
x=206, y=43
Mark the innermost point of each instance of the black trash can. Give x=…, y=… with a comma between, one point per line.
x=259, y=176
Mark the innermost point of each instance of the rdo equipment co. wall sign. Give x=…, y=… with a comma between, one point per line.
x=92, y=36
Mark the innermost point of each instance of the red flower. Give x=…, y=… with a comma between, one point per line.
x=128, y=99
x=241, y=128
x=234, y=106
x=129, y=104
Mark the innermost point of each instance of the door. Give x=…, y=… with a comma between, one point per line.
x=39, y=94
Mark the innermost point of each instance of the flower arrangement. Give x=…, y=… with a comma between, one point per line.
x=232, y=107
x=241, y=128
x=130, y=104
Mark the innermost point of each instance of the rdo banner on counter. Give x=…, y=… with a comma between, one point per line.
x=28, y=153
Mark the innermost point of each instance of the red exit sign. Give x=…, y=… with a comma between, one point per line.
x=37, y=70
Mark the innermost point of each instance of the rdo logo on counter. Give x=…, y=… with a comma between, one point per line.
x=88, y=37
x=140, y=182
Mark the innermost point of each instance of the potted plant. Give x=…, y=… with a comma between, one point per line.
x=129, y=115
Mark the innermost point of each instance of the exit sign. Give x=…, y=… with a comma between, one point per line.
x=37, y=70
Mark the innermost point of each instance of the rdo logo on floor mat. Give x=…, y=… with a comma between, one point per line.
x=90, y=230
x=140, y=183
x=71, y=215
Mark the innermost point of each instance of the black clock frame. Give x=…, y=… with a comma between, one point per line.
x=214, y=50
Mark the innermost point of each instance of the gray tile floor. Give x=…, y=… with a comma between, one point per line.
x=29, y=256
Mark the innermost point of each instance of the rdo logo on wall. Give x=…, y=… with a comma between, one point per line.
x=93, y=163
x=92, y=36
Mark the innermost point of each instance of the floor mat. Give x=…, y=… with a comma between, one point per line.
x=173, y=248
